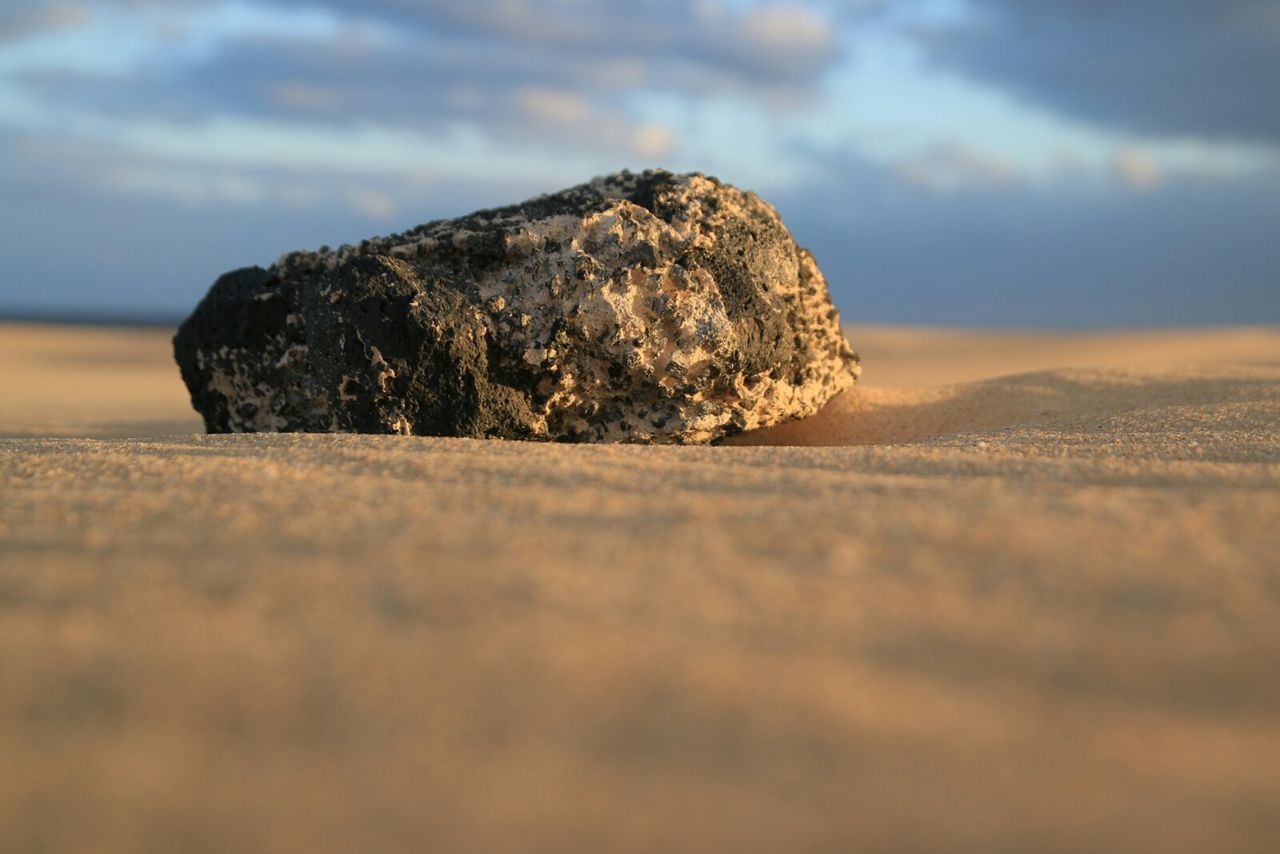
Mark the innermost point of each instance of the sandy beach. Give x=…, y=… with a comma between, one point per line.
x=1014, y=592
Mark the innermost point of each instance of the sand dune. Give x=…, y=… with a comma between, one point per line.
x=913, y=357
x=1015, y=593
x=1146, y=407
x=118, y=383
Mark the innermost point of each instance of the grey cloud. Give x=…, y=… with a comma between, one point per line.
x=1196, y=68
x=781, y=45
x=770, y=44
x=430, y=86
x=29, y=19
x=1192, y=254
x=561, y=72
x=1195, y=253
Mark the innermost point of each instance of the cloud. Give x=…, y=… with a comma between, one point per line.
x=238, y=129
x=301, y=96
x=953, y=167
x=771, y=44
x=669, y=43
x=565, y=74
x=552, y=106
x=1193, y=253
x=1047, y=256
x=38, y=18
x=375, y=204
x=1161, y=67
x=1136, y=169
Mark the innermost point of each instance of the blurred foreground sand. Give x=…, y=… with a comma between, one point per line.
x=1016, y=593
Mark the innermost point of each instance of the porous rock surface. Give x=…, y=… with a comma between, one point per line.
x=636, y=308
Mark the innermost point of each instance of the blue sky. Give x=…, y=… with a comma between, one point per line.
x=994, y=162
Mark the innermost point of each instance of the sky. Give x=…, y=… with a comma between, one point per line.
x=1062, y=163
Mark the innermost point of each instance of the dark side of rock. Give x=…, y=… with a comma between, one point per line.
x=635, y=308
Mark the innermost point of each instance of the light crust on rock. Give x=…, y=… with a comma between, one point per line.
x=635, y=308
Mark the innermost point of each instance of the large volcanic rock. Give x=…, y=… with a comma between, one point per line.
x=635, y=308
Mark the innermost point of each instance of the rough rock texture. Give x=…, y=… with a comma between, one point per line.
x=635, y=308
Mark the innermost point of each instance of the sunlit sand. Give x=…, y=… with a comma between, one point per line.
x=1013, y=592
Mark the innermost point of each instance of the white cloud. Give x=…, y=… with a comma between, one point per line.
x=954, y=167
x=1137, y=169
x=552, y=106
x=786, y=29
x=191, y=188
x=374, y=204
x=653, y=141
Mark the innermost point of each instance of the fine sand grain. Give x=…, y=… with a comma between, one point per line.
x=1015, y=593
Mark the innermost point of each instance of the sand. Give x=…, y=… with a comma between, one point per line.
x=1016, y=593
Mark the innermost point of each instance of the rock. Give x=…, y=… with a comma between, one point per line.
x=635, y=308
